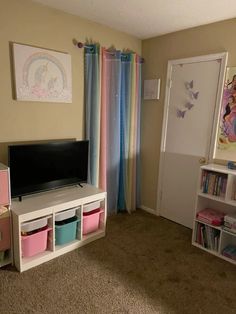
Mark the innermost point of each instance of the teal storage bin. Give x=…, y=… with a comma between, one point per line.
x=66, y=230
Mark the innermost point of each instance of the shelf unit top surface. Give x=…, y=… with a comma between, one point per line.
x=218, y=168
x=3, y=167
x=53, y=198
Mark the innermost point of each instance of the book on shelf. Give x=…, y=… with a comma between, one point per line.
x=211, y=216
x=230, y=223
x=207, y=236
x=213, y=183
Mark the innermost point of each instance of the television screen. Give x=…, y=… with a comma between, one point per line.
x=39, y=167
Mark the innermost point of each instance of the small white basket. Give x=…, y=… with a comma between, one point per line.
x=34, y=224
x=65, y=214
x=91, y=206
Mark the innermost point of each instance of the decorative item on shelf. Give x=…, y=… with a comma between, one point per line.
x=230, y=223
x=231, y=165
x=230, y=251
x=211, y=216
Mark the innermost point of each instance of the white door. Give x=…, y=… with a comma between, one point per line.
x=192, y=103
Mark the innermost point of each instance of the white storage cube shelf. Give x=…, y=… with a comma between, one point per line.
x=58, y=209
x=221, y=198
x=5, y=201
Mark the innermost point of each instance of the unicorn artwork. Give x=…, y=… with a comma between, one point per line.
x=42, y=75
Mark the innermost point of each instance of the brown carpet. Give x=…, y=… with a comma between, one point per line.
x=145, y=264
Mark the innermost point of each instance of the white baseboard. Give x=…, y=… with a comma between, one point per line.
x=148, y=210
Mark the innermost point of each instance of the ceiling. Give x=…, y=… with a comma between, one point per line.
x=148, y=18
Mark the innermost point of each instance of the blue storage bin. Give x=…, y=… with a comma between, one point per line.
x=66, y=230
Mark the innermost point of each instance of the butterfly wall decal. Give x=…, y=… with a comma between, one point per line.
x=189, y=105
x=180, y=113
x=190, y=102
x=194, y=95
x=189, y=85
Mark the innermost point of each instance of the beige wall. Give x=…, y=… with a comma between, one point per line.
x=213, y=38
x=26, y=22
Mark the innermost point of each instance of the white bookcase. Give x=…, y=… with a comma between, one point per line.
x=223, y=200
x=47, y=205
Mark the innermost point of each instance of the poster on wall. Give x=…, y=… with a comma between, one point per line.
x=226, y=137
x=41, y=74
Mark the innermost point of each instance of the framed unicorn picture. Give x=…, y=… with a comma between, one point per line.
x=41, y=74
x=226, y=137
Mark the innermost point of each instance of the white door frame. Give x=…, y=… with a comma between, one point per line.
x=223, y=56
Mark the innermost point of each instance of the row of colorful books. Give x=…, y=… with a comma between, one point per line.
x=207, y=236
x=213, y=183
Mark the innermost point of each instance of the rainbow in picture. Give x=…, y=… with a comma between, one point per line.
x=42, y=75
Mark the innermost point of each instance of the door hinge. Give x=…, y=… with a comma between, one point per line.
x=160, y=195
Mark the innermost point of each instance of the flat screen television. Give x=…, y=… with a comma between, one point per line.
x=40, y=167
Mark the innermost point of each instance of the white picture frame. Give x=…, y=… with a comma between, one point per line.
x=41, y=74
x=225, y=148
x=151, y=89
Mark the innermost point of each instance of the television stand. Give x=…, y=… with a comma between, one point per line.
x=47, y=205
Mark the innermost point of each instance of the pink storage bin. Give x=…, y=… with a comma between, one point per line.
x=91, y=222
x=5, y=241
x=4, y=191
x=34, y=243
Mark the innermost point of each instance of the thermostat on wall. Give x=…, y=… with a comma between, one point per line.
x=151, y=89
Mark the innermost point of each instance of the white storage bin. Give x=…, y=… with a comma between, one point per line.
x=65, y=214
x=91, y=206
x=34, y=224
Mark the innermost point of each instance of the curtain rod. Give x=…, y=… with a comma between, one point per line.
x=80, y=45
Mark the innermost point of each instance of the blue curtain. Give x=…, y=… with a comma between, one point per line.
x=113, y=83
x=124, y=119
x=92, y=108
